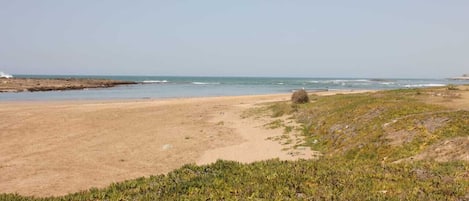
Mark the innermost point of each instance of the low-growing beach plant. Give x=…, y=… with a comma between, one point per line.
x=281, y=109
x=452, y=87
x=369, y=125
x=322, y=179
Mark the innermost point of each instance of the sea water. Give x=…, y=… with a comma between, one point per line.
x=150, y=87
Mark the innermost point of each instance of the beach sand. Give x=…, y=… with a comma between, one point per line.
x=55, y=148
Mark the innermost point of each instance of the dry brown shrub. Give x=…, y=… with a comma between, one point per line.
x=300, y=96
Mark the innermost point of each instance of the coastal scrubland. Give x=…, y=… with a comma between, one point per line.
x=409, y=144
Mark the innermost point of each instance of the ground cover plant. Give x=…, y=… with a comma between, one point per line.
x=376, y=146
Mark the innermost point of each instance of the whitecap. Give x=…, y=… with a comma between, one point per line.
x=205, y=83
x=423, y=85
x=387, y=83
x=155, y=81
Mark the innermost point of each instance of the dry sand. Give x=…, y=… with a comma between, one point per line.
x=55, y=148
x=454, y=99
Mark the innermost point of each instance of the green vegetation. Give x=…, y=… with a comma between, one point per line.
x=324, y=179
x=390, y=124
x=368, y=140
x=452, y=87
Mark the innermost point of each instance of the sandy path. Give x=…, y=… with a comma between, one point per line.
x=255, y=147
x=54, y=148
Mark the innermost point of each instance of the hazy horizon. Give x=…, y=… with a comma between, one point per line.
x=227, y=76
x=360, y=39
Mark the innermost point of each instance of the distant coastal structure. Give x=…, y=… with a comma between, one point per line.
x=463, y=77
x=4, y=75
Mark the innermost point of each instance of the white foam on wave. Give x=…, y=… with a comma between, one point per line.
x=387, y=83
x=423, y=85
x=155, y=81
x=4, y=75
x=205, y=83
x=340, y=81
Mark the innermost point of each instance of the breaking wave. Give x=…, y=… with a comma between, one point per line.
x=423, y=85
x=155, y=81
x=205, y=83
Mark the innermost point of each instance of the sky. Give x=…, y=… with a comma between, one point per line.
x=275, y=38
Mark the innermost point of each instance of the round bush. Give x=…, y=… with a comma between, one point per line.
x=300, y=97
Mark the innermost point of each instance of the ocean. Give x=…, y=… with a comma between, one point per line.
x=157, y=87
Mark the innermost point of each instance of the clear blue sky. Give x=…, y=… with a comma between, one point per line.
x=400, y=38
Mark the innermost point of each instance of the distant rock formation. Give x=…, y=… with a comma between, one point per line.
x=463, y=77
x=43, y=84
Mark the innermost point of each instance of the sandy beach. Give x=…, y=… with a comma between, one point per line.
x=55, y=148
x=60, y=147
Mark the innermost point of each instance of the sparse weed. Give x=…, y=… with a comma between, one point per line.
x=274, y=124
x=452, y=87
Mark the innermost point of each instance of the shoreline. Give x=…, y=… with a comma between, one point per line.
x=137, y=100
x=175, y=87
x=459, y=78
x=112, y=100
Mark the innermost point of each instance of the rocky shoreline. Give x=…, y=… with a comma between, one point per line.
x=55, y=84
x=460, y=78
x=463, y=77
